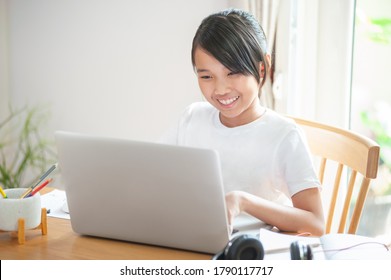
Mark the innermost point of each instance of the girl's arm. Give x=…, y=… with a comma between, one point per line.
x=306, y=215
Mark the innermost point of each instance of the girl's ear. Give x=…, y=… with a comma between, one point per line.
x=267, y=64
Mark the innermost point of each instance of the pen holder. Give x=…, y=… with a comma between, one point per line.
x=18, y=214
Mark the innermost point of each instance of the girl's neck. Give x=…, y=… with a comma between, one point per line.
x=253, y=113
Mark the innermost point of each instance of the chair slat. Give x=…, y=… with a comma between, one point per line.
x=334, y=196
x=322, y=168
x=359, y=205
x=348, y=199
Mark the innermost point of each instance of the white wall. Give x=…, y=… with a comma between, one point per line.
x=334, y=71
x=109, y=67
x=4, y=90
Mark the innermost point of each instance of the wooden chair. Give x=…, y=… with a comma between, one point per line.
x=350, y=150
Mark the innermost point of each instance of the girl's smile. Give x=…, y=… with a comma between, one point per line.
x=228, y=102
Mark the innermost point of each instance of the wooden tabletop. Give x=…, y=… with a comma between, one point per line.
x=62, y=242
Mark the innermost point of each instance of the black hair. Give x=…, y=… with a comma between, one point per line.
x=236, y=39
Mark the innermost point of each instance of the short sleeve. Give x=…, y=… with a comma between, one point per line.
x=295, y=164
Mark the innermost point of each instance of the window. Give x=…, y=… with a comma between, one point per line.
x=371, y=104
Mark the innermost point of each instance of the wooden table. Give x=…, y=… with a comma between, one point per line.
x=62, y=243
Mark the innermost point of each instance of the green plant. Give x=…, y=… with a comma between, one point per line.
x=382, y=34
x=377, y=29
x=24, y=154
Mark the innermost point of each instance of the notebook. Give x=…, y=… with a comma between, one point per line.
x=144, y=192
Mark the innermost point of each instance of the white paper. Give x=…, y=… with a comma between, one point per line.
x=55, y=203
x=275, y=242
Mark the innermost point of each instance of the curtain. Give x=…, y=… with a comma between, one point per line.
x=266, y=12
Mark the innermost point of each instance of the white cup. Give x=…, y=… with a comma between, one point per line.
x=13, y=208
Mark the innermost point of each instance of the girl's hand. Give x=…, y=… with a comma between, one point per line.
x=234, y=206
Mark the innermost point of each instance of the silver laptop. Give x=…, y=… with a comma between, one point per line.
x=144, y=192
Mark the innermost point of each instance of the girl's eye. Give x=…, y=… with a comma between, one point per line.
x=232, y=73
x=206, y=77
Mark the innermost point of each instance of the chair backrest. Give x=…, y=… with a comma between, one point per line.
x=347, y=149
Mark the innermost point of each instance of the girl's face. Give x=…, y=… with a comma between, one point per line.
x=235, y=95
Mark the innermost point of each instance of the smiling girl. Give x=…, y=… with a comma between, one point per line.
x=264, y=156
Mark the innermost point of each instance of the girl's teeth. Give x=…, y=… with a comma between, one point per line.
x=228, y=101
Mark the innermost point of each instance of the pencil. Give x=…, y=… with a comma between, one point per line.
x=2, y=192
x=50, y=170
x=40, y=187
x=26, y=193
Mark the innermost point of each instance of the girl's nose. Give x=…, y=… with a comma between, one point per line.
x=222, y=87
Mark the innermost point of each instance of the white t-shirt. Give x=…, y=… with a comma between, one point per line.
x=267, y=157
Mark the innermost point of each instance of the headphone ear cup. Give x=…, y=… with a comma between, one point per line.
x=295, y=251
x=300, y=251
x=219, y=256
x=310, y=255
x=244, y=247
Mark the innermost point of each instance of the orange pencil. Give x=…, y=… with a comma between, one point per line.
x=40, y=187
